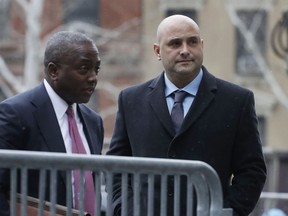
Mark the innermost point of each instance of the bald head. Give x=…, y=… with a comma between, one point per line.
x=173, y=22
x=180, y=49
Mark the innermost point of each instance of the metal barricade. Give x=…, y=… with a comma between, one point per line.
x=202, y=181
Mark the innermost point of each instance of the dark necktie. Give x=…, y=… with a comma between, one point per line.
x=177, y=113
x=78, y=148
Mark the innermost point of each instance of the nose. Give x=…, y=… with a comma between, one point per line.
x=185, y=50
x=93, y=76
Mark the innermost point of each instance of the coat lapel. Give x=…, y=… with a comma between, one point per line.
x=204, y=97
x=89, y=129
x=159, y=104
x=47, y=121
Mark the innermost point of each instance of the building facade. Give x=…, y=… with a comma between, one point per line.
x=237, y=47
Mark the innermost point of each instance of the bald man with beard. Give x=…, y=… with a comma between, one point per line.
x=220, y=123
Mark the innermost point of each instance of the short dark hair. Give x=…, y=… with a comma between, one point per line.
x=61, y=43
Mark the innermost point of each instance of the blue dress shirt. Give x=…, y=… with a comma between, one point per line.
x=191, y=88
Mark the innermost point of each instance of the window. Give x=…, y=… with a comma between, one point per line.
x=187, y=12
x=184, y=7
x=85, y=11
x=4, y=18
x=255, y=21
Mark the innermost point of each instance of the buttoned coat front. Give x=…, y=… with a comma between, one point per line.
x=220, y=129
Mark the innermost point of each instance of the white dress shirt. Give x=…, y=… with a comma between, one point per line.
x=60, y=107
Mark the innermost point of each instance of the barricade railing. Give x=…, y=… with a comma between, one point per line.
x=202, y=182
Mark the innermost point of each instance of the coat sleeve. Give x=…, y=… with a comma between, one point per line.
x=12, y=133
x=119, y=146
x=249, y=169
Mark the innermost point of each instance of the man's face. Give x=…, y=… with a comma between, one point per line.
x=76, y=75
x=181, y=50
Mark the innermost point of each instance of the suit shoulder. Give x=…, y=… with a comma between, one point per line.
x=231, y=88
x=90, y=112
x=223, y=86
x=138, y=88
x=22, y=98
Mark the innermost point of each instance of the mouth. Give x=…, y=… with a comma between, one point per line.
x=90, y=90
x=184, y=61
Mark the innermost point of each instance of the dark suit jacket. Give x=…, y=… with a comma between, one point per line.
x=28, y=122
x=219, y=129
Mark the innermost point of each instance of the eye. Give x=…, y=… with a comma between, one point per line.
x=84, y=69
x=174, y=43
x=194, y=40
x=97, y=69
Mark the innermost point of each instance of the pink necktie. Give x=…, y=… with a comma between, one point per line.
x=78, y=148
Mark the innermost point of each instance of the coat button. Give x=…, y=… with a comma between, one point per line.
x=172, y=155
x=170, y=194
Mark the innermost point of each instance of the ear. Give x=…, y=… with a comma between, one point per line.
x=156, y=49
x=52, y=71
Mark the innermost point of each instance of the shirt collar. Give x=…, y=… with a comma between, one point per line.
x=191, y=88
x=60, y=106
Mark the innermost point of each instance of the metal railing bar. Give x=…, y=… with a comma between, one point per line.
x=189, y=196
x=24, y=191
x=98, y=193
x=65, y=161
x=109, y=182
x=124, y=194
x=215, y=194
x=69, y=195
x=53, y=188
x=163, y=206
x=274, y=195
x=203, y=179
x=202, y=193
x=13, y=197
x=150, y=195
x=176, y=195
x=42, y=186
x=136, y=194
x=81, y=195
